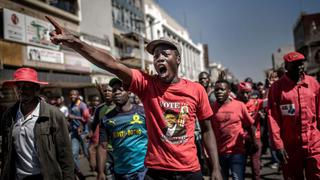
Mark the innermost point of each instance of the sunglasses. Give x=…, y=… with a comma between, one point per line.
x=25, y=86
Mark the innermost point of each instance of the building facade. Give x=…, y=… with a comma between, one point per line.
x=25, y=42
x=129, y=32
x=160, y=24
x=119, y=27
x=307, y=41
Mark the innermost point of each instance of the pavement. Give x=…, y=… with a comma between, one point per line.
x=267, y=173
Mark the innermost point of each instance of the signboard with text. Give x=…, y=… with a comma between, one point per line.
x=14, y=26
x=74, y=61
x=44, y=55
x=37, y=33
x=26, y=29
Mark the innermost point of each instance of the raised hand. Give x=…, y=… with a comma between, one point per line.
x=61, y=35
x=93, y=54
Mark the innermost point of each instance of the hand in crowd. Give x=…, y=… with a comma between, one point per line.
x=72, y=117
x=262, y=114
x=282, y=156
x=101, y=176
x=61, y=35
x=79, y=130
x=216, y=176
x=90, y=134
x=254, y=147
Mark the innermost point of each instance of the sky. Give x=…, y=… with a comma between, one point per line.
x=241, y=34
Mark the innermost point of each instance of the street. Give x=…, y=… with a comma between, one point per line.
x=266, y=172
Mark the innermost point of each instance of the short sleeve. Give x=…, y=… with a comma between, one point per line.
x=139, y=82
x=204, y=110
x=85, y=111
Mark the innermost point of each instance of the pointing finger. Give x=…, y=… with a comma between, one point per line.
x=59, y=29
x=53, y=33
x=57, y=39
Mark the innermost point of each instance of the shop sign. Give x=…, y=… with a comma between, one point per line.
x=74, y=61
x=14, y=26
x=44, y=55
x=37, y=33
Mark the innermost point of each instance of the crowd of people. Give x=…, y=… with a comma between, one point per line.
x=163, y=126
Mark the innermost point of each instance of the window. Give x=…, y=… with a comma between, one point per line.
x=116, y=15
x=137, y=4
x=127, y=19
x=70, y=6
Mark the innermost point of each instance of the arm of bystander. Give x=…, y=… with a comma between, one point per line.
x=102, y=152
x=63, y=147
x=210, y=144
x=274, y=119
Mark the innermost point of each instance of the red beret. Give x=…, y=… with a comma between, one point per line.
x=245, y=86
x=293, y=56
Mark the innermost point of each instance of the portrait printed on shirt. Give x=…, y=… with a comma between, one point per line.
x=175, y=116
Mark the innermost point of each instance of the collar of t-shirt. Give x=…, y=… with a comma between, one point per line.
x=34, y=114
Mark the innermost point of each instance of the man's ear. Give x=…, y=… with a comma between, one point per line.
x=178, y=59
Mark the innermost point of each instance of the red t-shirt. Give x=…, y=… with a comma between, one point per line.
x=171, y=111
x=254, y=106
x=227, y=123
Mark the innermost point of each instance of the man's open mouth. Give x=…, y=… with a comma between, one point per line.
x=162, y=70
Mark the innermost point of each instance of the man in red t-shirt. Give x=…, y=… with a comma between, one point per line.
x=229, y=123
x=171, y=148
x=253, y=107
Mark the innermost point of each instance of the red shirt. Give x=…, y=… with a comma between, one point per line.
x=292, y=114
x=171, y=111
x=228, y=122
x=254, y=106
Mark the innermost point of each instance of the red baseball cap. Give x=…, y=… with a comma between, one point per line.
x=293, y=56
x=24, y=75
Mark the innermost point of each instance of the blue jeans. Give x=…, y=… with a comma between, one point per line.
x=235, y=163
x=76, y=143
x=137, y=175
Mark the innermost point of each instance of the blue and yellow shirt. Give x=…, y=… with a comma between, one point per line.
x=128, y=136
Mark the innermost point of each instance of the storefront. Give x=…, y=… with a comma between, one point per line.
x=26, y=43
